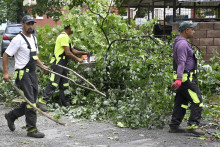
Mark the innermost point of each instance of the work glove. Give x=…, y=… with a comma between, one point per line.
x=176, y=85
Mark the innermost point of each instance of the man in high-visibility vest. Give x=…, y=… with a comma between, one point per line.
x=62, y=52
x=187, y=90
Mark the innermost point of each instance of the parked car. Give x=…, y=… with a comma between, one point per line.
x=10, y=32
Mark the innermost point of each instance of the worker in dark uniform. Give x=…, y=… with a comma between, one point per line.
x=24, y=49
x=62, y=52
x=187, y=90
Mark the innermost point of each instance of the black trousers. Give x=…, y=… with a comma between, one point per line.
x=29, y=85
x=187, y=93
x=57, y=81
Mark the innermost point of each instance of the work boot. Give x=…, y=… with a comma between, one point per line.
x=196, y=132
x=41, y=104
x=10, y=122
x=177, y=129
x=36, y=134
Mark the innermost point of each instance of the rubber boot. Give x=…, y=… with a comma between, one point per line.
x=10, y=122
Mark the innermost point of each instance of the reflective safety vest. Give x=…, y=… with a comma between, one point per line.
x=59, y=53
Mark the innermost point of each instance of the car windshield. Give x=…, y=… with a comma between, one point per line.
x=14, y=30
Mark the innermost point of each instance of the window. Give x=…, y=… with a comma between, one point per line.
x=39, y=17
x=14, y=29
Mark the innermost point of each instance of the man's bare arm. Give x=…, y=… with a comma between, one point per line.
x=6, y=76
x=69, y=54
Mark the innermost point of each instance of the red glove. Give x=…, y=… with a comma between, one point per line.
x=176, y=84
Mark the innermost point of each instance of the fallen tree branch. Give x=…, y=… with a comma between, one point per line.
x=34, y=107
x=95, y=90
x=77, y=75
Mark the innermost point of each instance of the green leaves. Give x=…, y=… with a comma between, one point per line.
x=133, y=69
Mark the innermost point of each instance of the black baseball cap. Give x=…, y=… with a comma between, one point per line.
x=28, y=18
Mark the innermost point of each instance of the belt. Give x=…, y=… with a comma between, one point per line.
x=20, y=72
x=186, y=75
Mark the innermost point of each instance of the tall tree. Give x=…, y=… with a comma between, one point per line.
x=13, y=10
x=3, y=8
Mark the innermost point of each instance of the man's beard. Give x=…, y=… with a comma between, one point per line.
x=29, y=31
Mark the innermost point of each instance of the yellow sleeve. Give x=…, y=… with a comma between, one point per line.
x=65, y=40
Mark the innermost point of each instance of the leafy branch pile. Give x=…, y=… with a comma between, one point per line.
x=132, y=68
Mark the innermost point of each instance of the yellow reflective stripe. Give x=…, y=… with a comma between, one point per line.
x=184, y=78
x=174, y=75
x=192, y=127
x=27, y=70
x=66, y=84
x=184, y=106
x=21, y=73
x=41, y=101
x=35, y=57
x=194, y=96
x=64, y=57
x=55, y=84
x=16, y=74
x=52, y=77
x=191, y=76
x=32, y=130
x=52, y=60
x=29, y=106
x=201, y=105
x=58, y=59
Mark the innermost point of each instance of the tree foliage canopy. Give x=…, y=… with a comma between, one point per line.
x=133, y=69
x=13, y=10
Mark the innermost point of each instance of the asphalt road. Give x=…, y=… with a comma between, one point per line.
x=84, y=133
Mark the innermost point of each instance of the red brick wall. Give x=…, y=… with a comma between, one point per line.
x=45, y=20
x=206, y=37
